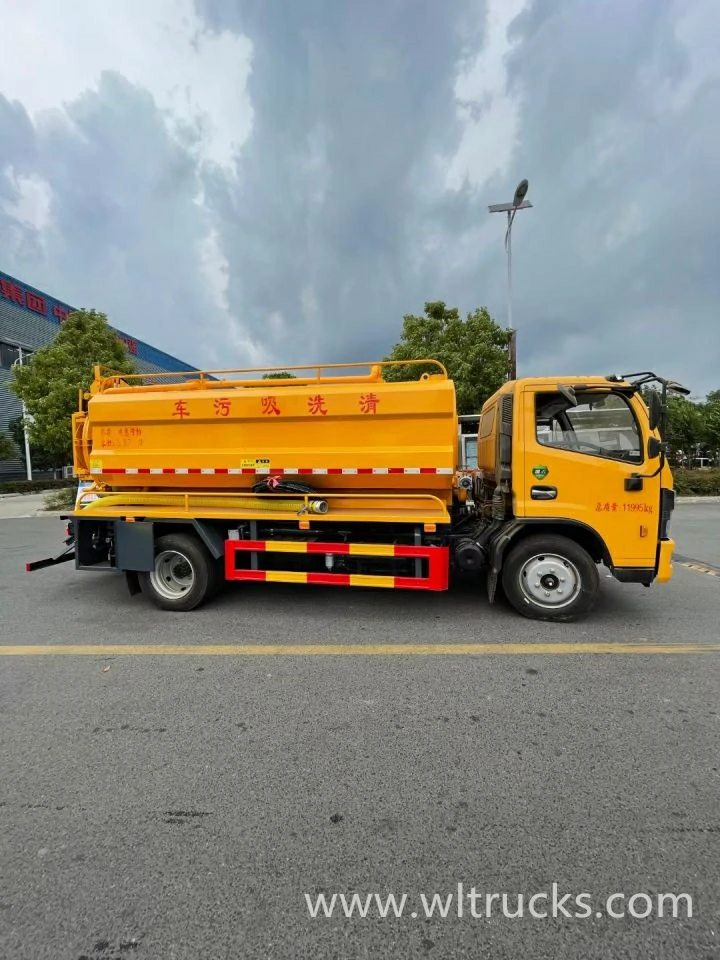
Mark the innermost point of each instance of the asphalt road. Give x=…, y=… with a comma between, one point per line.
x=180, y=807
x=699, y=532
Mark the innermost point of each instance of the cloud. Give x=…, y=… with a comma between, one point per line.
x=100, y=176
x=616, y=256
x=324, y=223
x=254, y=182
x=380, y=140
x=194, y=77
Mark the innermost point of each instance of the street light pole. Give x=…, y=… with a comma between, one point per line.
x=518, y=203
x=28, y=463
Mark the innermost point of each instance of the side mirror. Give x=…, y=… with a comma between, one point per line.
x=655, y=411
x=654, y=448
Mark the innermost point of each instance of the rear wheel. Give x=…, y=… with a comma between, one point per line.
x=184, y=574
x=550, y=578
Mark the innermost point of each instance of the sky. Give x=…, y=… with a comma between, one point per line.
x=252, y=183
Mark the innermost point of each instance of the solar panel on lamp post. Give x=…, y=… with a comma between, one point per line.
x=518, y=203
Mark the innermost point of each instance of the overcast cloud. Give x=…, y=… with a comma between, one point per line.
x=258, y=182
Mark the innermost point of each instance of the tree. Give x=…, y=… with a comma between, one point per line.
x=50, y=381
x=711, y=416
x=474, y=351
x=283, y=375
x=685, y=423
x=8, y=450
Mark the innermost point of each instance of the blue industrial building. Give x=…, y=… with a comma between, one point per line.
x=30, y=319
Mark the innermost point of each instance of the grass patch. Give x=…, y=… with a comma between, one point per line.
x=60, y=499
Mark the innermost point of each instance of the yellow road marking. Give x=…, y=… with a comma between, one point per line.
x=354, y=649
x=697, y=565
x=700, y=568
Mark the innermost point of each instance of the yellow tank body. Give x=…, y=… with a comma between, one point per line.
x=339, y=433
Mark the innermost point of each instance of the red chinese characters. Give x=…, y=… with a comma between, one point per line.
x=35, y=303
x=221, y=407
x=11, y=291
x=316, y=405
x=181, y=409
x=369, y=403
x=269, y=406
x=60, y=313
x=117, y=438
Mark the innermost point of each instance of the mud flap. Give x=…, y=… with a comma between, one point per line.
x=492, y=579
x=133, y=582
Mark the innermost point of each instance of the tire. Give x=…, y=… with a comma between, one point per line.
x=184, y=576
x=538, y=572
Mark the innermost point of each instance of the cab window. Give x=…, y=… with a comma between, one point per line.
x=601, y=425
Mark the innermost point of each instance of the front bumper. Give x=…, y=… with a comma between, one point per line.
x=665, y=565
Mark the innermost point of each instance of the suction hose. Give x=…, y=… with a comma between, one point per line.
x=130, y=500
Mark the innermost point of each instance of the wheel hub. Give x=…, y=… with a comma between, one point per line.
x=550, y=581
x=173, y=575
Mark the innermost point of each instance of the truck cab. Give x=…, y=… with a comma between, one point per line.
x=581, y=471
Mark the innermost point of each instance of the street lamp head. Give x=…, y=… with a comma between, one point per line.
x=520, y=193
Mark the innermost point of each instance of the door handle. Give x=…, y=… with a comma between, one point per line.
x=543, y=493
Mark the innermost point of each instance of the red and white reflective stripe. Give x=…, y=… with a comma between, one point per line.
x=293, y=471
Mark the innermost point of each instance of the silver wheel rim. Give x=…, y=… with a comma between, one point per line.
x=550, y=581
x=173, y=576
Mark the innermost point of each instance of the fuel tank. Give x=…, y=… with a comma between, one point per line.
x=342, y=432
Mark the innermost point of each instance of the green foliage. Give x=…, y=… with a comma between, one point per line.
x=685, y=423
x=694, y=427
x=474, y=352
x=698, y=483
x=8, y=450
x=34, y=486
x=282, y=375
x=49, y=383
x=712, y=420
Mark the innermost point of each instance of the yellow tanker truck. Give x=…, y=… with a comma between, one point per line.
x=339, y=477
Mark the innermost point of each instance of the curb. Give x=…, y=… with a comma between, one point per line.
x=37, y=493
x=37, y=513
x=698, y=499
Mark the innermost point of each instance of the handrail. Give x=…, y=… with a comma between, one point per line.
x=231, y=495
x=108, y=380
x=274, y=503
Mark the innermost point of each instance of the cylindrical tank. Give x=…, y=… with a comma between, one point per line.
x=336, y=433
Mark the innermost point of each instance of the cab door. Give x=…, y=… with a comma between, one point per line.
x=578, y=463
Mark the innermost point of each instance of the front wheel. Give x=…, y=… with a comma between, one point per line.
x=550, y=578
x=183, y=575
